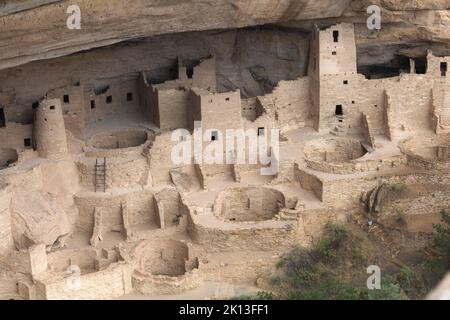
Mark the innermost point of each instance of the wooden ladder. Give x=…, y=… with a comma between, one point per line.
x=100, y=175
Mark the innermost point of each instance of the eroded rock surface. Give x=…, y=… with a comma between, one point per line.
x=37, y=30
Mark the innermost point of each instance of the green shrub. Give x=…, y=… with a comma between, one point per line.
x=441, y=243
x=400, y=216
x=399, y=187
x=326, y=249
x=329, y=288
x=390, y=290
x=406, y=278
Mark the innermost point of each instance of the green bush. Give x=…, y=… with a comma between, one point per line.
x=399, y=187
x=441, y=243
x=326, y=249
x=329, y=288
x=390, y=290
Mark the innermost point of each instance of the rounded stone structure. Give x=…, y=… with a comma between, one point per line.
x=165, y=267
x=427, y=153
x=167, y=258
x=248, y=204
x=334, y=150
x=119, y=139
x=49, y=130
x=8, y=156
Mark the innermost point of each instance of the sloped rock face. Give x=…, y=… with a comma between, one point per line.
x=32, y=30
x=36, y=219
x=252, y=61
x=41, y=32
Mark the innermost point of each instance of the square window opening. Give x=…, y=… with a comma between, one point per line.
x=109, y=99
x=129, y=96
x=92, y=104
x=339, y=111
x=27, y=142
x=261, y=131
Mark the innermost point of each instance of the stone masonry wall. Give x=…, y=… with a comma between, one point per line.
x=6, y=240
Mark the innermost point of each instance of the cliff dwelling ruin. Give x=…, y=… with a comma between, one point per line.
x=88, y=185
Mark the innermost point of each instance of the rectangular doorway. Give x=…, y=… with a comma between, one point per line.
x=2, y=118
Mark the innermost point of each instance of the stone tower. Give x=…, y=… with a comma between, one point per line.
x=333, y=73
x=49, y=130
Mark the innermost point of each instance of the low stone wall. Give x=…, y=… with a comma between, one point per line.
x=356, y=165
x=309, y=181
x=333, y=150
x=278, y=234
x=424, y=153
x=92, y=285
x=60, y=261
x=141, y=206
x=114, y=153
x=150, y=284
x=120, y=144
x=120, y=173
x=164, y=267
x=248, y=204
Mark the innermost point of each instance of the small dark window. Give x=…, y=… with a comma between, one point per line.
x=35, y=105
x=335, y=36
x=333, y=53
x=27, y=142
x=66, y=98
x=339, y=111
x=52, y=107
x=227, y=99
x=190, y=72
x=2, y=118
x=92, y=104
x=109, y=99
x=345, y=81
x=214, y=135
x=353, y=102
x=129, y=96
x=260, y=131
x=443, y=69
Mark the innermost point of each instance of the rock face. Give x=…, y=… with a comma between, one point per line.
x=32, y=30
x=251, y=59
x=42, y=32
x=37, y=219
